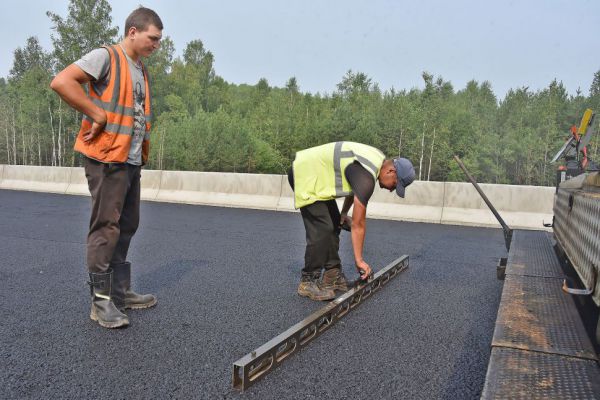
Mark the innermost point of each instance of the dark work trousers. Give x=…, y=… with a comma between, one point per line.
x=322, y=224
x=115, y=190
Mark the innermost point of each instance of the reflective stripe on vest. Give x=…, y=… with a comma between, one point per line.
x=319, y=171
x=338, y=154
x=113, y=144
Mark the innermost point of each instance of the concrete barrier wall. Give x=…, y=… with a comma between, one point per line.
x=78, y=184
x=525, y=207
x=424, y=202
x=39, y=179
x=221, y=189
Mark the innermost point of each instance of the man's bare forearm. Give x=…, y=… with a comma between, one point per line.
x=358, y=241
x=67, y=84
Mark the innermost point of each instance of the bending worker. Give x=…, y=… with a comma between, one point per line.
x=318, y=176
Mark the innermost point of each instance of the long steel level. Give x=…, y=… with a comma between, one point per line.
x=258, y=363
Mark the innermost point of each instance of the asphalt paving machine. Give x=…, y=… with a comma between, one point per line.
x=576, y=222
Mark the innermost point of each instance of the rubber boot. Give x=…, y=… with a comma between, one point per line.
x=103, y=309
x=310, y=287
x=123, y=296
x=334, y=279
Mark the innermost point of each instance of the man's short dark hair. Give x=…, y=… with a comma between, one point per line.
x=141, y=19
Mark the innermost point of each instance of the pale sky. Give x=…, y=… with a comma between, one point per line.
x=509, y=43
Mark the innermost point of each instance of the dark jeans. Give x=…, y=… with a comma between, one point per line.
x=115, y=190
x=322, y=224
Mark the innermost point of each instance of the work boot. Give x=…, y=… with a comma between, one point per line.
x=310, y=287
x=123, y=296
x=104, y=310
x=334, y=279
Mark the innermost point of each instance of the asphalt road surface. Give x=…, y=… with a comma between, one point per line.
x=226, y=283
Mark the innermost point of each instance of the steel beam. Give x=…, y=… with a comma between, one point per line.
x=258, y=363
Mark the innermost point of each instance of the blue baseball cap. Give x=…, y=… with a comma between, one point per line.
x=405, y=173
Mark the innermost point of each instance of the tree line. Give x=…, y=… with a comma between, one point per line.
x=204, y=123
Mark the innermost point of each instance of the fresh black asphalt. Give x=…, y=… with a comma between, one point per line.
x=226, y=283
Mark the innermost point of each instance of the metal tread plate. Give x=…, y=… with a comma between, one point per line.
x=535, y=314
x=521, y=374
x=532, y=254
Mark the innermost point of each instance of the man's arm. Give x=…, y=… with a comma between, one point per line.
x=68, y=86
x=359, y=216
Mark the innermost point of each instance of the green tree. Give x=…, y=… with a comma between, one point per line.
x=87, y=26
x=192, y=76
x=29, y=57
x=551, y=110
x=25, y=115
x=473, y=133
x=159, y=66
x=353, y=83
x=263, y=88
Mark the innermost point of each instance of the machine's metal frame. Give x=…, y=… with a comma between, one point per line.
x=576, y=230
x=258, y=363
x=508, y=232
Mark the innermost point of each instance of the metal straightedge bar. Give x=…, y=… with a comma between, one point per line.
x=258, y=363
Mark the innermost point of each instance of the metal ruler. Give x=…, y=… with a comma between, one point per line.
x=258, y=363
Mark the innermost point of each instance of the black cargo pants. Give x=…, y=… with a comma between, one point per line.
x=322, y=223
x=115, y=190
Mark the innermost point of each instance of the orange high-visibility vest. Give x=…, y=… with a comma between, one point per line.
x=112, y=145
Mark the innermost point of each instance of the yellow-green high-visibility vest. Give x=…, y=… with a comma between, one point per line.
x=319, y=171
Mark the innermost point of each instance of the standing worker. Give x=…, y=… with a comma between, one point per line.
x=114, y=138
x=318, y=176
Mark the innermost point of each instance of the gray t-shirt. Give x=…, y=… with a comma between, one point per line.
x=96, y=63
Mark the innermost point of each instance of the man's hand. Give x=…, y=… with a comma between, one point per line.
x=364, y=270
x=346, y=222
x=97, y=128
